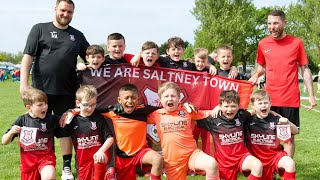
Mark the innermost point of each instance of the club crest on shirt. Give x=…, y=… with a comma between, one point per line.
x=181, y=113
x=238, y=123
x=272, y=126
x=72, y=37
x=27, y=135
x=93, y=125
x=43, y=127
x=54, y=35
x=185, y=64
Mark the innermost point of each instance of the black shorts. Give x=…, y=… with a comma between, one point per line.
x=291, y=113
x=58, y=104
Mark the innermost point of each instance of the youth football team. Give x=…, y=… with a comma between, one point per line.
x=244, y=141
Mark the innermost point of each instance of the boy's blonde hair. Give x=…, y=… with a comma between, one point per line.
x=201, y=53
x=259, y=95
x=33, y=95
x=94, y=49
x=223, y=47
x=175, y=42
x=168, y=85
x=149, y=45
x=229, y=96
x=86, y=92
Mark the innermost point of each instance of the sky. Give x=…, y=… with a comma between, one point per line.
x=138, y=21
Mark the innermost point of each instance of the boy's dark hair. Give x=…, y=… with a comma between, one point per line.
x=223, y=47
x=32, y=95
x=149, y=45
x=129, y=87
x=278, y=13
x=259, y=95
x=175, y=42
x=95, y=49
x=229, y=96
x=67, y=1
x=116, y=36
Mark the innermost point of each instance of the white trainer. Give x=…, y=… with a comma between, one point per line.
x=67, y=174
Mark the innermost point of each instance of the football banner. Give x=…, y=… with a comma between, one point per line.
x=200, y=88
x=28, y=137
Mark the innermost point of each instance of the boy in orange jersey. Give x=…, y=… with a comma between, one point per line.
x=130, y=128
x=175, y=132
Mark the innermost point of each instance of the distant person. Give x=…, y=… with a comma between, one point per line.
x=37, y=159
x=54, y=48
x=279, y=56
x=212, y=58
x=318, y=84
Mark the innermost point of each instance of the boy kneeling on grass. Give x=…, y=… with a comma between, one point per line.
x=262, y=142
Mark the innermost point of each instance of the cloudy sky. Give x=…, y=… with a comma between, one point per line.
x=138, y=21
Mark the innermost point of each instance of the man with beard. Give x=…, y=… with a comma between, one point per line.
x=54, y=48
x=279, y=56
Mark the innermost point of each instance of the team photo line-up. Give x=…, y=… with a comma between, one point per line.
x=106, y=107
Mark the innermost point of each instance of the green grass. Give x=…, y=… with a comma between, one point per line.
x=307, y=156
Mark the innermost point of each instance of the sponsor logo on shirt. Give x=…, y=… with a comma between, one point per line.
x=263, y=139
x=232, y=138
x=267, y=50
x=54, y=35
x=218, y=124
x=88, y=142
x=175, y=126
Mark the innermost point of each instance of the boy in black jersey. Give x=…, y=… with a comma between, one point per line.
x=227, y=131
x=224, y=58
x=175, y=50
x=261, y=140
x=37, y=130
x=91, y=136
